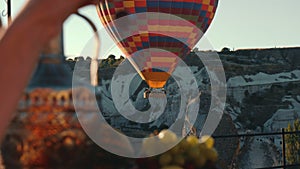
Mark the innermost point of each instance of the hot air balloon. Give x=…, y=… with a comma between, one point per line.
x=173, y=36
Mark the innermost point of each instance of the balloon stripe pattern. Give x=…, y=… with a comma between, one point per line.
x=181, y=39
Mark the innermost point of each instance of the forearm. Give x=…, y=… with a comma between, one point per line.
x=20, y=48
x=21, y=45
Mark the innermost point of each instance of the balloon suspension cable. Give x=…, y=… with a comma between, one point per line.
x=94, y=62
x=9, y=11
x=188, y=128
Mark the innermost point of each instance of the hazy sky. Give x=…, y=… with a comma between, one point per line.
x=237, y=24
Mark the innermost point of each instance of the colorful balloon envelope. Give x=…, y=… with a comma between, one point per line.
x=157, y=41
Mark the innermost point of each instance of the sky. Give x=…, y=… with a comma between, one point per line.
x=238, y=24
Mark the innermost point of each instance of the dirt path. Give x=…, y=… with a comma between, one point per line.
x=257, y=155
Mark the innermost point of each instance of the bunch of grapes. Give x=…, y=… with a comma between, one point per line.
x=189, y=153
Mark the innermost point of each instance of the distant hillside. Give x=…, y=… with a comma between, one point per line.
x=238, y=62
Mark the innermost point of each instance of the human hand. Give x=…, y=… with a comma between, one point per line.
x=21, y=44
x=49, y=15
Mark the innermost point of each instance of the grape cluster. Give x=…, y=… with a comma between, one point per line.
x=189, y=153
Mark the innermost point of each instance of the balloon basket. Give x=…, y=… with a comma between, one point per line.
x=155, y=93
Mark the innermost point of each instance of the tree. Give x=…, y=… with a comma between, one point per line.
x=292, y=143
x=112, y=57
x=196, y=49
x=111, y=60
x=225, y=50
x=122, y=58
